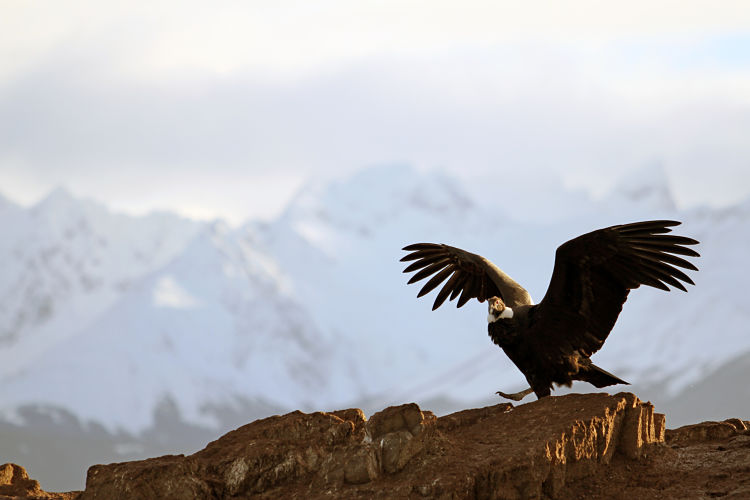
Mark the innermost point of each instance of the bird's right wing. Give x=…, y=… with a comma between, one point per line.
x=468, y=274
x=594, y=272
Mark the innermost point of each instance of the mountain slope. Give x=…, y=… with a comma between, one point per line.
x=208, y=327
x=109, y=316
x=67, y=261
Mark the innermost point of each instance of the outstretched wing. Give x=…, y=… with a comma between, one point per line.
x=468, y=274
x=594, y=272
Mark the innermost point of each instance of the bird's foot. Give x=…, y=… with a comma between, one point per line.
x=516, y=396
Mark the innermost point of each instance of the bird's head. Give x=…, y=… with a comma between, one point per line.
x=497, y=310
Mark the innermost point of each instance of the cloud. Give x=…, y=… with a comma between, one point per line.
x=148, y=103
x=163, y=37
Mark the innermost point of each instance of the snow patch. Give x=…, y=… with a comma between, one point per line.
x=169, y=293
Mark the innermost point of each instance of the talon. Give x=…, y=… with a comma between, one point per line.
x=516, y=396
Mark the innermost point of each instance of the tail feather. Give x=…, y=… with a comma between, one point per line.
x=600, y=378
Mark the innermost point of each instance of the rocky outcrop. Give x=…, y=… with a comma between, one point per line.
x=496, y=452
x=569, y=447
x=15, y=483
x=700, y=461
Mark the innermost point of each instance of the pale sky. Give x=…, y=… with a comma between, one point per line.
x=222, y=109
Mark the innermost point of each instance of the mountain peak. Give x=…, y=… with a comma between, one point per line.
x=58, y=195
x=379, y=193
x=647, y=186
x=60, y=201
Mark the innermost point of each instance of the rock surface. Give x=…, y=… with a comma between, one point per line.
x=400, y=452
x=16, y=484
x=700, y=461
x=568, y=447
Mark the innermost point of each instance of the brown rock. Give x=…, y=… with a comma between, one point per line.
x=706, y=431
x=362, y=467
x=707, y=460
x=641, y=427
x=530, y=451
x=571, y=447
x=15, y=484
x=14, y=480
x=399, y=433
x=406, y=417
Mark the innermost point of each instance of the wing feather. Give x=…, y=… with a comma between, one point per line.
x=436, y=280
x=667, y=271
x=665, y=257
x=664, y=246
x=424, y=262
x=648, y=227
x=467, y=293
x=458, y=286
x=665, y=277
x=419, y=254
x=448, y=289
x=422, y=246
x=434, y=267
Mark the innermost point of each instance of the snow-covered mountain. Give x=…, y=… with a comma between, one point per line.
x=107, y=316
x=66, y=261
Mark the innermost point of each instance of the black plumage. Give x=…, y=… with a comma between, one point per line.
x=552, y=342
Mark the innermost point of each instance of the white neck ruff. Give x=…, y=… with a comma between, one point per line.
x=506, y=314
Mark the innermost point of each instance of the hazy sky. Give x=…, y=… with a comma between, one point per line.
x=223, y=108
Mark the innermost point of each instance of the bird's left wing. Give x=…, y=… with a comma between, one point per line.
x=594, y=272
x=468, y=274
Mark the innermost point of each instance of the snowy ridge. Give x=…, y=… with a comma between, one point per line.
x=71, y=260
x=107, y=315
x=199, y=330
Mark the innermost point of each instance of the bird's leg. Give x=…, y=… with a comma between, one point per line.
x=516, y=396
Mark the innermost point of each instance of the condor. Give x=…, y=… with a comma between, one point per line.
x=552, y=342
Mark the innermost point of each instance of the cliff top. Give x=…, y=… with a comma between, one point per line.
x=574, y=446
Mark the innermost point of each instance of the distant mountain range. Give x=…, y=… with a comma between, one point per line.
x=107, y=318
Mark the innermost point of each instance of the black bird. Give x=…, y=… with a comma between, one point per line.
x=552, y=342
